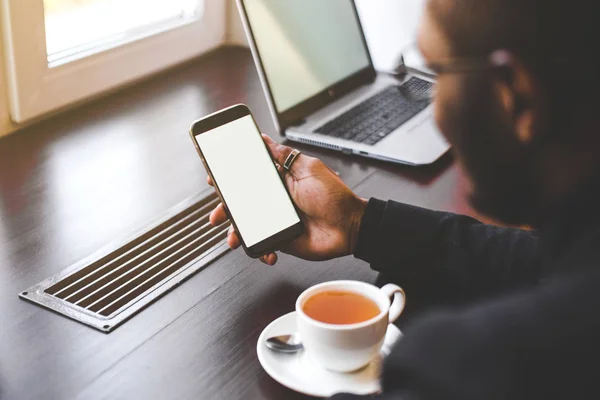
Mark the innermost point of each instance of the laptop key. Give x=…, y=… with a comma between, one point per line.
x=360, y=138
x=378, y=116
x=370, y=141
x=348, y=135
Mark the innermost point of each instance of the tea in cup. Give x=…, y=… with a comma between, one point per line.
x=343, y=323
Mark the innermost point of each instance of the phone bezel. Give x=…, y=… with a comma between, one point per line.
x=224, y=117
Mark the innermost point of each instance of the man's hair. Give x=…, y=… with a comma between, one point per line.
x=559, y=39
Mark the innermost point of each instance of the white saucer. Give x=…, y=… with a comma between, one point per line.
x=299, y=373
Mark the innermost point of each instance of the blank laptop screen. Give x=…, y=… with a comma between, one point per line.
x=306, y=45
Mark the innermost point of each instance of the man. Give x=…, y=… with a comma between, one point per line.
x=514, y=314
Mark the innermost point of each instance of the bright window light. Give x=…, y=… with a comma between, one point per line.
x=79, y=28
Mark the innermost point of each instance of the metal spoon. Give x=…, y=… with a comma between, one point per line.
x=285, y=343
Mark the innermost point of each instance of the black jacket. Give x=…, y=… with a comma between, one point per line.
x=514, y=314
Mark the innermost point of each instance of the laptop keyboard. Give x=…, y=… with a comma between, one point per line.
x=375, y=118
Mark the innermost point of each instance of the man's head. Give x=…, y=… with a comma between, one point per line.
x=528, y=107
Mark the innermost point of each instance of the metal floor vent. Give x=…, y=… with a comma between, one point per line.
x=112, y=285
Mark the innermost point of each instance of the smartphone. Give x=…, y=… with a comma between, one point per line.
x=246, y=179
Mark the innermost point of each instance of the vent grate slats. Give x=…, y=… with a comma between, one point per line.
x=112, y=306
x=136, y=275
x=104, y=291
x=87, y=289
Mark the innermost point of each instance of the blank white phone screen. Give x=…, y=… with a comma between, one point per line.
x=248, y=180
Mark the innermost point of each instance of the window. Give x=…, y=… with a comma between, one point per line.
x=59, y=52
x=103, y=24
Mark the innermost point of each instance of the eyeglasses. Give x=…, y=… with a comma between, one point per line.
x=459, y=65
x=448, y=66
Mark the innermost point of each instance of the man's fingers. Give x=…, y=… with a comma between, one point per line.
x=269, y=259
x=233, y=241
x=280, y=170
x=209, y=180
x=280, y=152
x=272, y=259
x=218, y=215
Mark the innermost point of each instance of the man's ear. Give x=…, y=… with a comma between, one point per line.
x=517, y=90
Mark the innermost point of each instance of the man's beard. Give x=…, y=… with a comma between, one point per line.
x=501, y=169
x=509, y=204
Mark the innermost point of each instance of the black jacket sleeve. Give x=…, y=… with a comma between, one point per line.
x=454, y=257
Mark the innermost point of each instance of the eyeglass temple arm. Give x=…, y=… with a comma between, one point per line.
x=401, y=70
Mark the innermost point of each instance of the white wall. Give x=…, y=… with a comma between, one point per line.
x=390, y=26
x=235, y=30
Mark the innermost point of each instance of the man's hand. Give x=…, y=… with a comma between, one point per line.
x=330, y=211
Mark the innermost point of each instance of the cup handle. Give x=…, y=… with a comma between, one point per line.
x=398, y=297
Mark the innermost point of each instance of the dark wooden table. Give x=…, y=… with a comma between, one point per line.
x=72, y=184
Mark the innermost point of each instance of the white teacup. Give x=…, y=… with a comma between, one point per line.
x=347, y=348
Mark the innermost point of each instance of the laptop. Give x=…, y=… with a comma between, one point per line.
x=323, y=90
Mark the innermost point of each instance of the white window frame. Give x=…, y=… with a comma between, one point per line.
x=35, y=89
x=5, y=122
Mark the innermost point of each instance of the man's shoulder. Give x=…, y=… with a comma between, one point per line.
x=538, y=338
x=560, y=311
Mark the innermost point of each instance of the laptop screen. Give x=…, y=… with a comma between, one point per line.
x=306, y=46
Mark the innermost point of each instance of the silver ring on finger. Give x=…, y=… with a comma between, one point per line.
x=289, y=161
